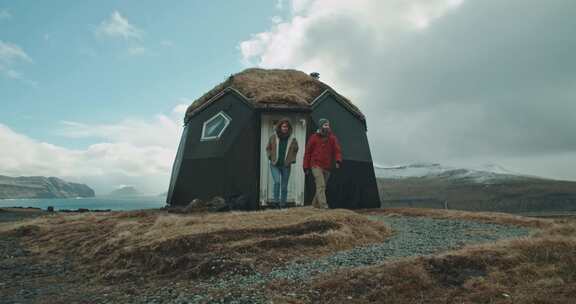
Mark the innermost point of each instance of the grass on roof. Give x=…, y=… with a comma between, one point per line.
x=270, y=86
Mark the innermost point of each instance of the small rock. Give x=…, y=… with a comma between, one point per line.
x=194, y=206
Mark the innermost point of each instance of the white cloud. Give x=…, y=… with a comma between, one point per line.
x=4, y=14
x=282, y=45
x=117, y=26
x=180, y=109
x=11, y=55
x=162, y=131
x=440, y=79
x=136, y=152
x=421, y=14
x=277, y=48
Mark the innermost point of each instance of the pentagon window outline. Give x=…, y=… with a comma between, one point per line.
x=214, y=127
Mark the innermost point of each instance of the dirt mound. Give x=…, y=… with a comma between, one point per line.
x=118, y=245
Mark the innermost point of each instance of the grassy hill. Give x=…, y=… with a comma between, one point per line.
x=299, y=255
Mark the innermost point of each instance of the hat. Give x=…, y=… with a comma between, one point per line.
x=322, y=121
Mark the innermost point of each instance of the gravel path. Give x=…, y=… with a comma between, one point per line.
x=414, y=236
x=24, y=278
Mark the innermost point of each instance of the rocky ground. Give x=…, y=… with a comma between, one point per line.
x=27, y=278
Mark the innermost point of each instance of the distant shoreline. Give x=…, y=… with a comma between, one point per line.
x=92, y=203
x=86, y=197
x=43, y=198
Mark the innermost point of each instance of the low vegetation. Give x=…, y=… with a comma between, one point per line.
x=160, y=247
x=536, y=269
x=153, y=243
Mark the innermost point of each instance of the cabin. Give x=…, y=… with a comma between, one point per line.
x=222, y=148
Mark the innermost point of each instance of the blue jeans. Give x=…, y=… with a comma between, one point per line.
x=280, y=176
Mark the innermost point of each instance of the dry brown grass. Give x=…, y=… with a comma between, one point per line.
x=273, y=86
x=122, y=244
x=489, y=217
x=538, y=269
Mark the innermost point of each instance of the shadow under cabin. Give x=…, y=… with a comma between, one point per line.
x=222, y=151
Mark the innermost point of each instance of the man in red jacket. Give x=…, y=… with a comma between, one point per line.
x=322, y=150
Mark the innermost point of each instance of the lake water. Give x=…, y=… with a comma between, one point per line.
x=113, y=203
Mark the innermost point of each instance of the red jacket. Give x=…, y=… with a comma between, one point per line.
x=321, y=151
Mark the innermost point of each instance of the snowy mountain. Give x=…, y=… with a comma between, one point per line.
x=484, y=188
x=486, y=174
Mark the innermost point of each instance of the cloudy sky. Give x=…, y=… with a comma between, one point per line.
x=95, y=92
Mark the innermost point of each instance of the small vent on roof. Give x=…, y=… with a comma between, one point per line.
x=315, y=75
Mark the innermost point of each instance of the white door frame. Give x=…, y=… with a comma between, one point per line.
x=296, y=181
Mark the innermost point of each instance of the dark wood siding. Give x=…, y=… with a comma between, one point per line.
x=354, y=184
x=224, y=167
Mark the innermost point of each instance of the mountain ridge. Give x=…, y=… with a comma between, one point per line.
x=41, y=187
x=491, y=188
x=125, y=191
x=485, y=174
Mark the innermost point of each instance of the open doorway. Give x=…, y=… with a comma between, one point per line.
x=296, y=181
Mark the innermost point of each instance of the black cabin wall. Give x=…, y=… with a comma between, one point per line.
x=177, y=164
x=354, y=184
x=224, y=167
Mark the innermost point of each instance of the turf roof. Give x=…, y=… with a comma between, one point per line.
x=273, y=87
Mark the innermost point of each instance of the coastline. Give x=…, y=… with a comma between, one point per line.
x=98, y=202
